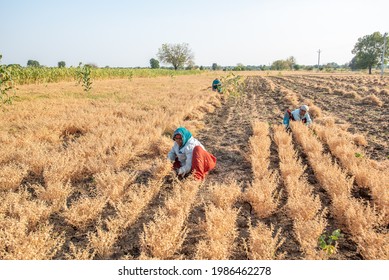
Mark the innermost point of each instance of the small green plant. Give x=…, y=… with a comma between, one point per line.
x=6, y=84
x=83, y=76
x=358, y=155
x=328, y=243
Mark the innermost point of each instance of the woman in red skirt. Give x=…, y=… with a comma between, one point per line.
x=188, y=154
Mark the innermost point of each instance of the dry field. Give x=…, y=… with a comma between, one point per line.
x=85, y=176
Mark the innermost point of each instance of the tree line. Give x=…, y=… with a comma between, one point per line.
x=368, y=53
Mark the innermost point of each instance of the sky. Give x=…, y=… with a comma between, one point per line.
x=119, y=33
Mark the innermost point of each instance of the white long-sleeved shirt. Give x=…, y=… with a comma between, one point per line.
x=297, y=117
x=184, y=154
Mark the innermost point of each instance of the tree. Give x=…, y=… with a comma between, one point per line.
x=61, y=64
x=92, y=65
x=331, y=65
x=33, y=63
x=368, y=50
x=287, y=64
x=154, y=64
x=280, y=65
x=215, y=66
x=190, y=65
x=176, y=54
x=239, y=67
x=353, y=63
x=291, y=61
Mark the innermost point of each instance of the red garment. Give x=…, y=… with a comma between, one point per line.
x=202, y=163
x=176, y=164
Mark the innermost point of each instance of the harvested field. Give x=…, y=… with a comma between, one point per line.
x=85, y=176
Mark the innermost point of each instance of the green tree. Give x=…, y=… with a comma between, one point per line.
x=61, y=64
x=215, y=66
x=332, y=65
x=368, y=51
x=176, y=54
x=287, y=64
x=239, y=67
x=190, y=65
x=33, y=63
x=291, y=61
x=353, y=63
x=92, y=65
x=154, y=64
x=279, y=65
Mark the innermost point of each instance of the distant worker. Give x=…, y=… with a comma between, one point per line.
x=217, y=85
x=188, y=155
x=300, y=114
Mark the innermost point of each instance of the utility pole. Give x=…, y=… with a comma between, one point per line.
x=318, y=60
x=383, y=56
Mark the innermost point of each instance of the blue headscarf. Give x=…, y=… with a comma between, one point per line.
x=185, y=134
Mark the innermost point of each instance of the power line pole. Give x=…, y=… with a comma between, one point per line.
x=318, y=60
x=383, y=56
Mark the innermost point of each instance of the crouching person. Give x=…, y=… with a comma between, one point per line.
x=189, y=155
x=217, y=85
x=300, y=114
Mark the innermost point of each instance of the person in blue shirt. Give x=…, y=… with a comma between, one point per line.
x=217, y=85
x=300, y=114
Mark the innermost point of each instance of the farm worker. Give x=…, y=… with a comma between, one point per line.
x=217, y=85
x=188, y=155
x=300, y=114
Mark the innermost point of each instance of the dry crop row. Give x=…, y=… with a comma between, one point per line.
x=360, y=80
x=357, y=116
x=335, y=181
x=162, y=238
x=262, y=192
x=362, y=94
x=263, y=196
x=302, y=206
x=220, y=225
x=368, y=87
x=359, y=220
x=366, y=172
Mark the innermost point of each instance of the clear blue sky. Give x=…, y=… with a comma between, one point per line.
x=121, y=33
